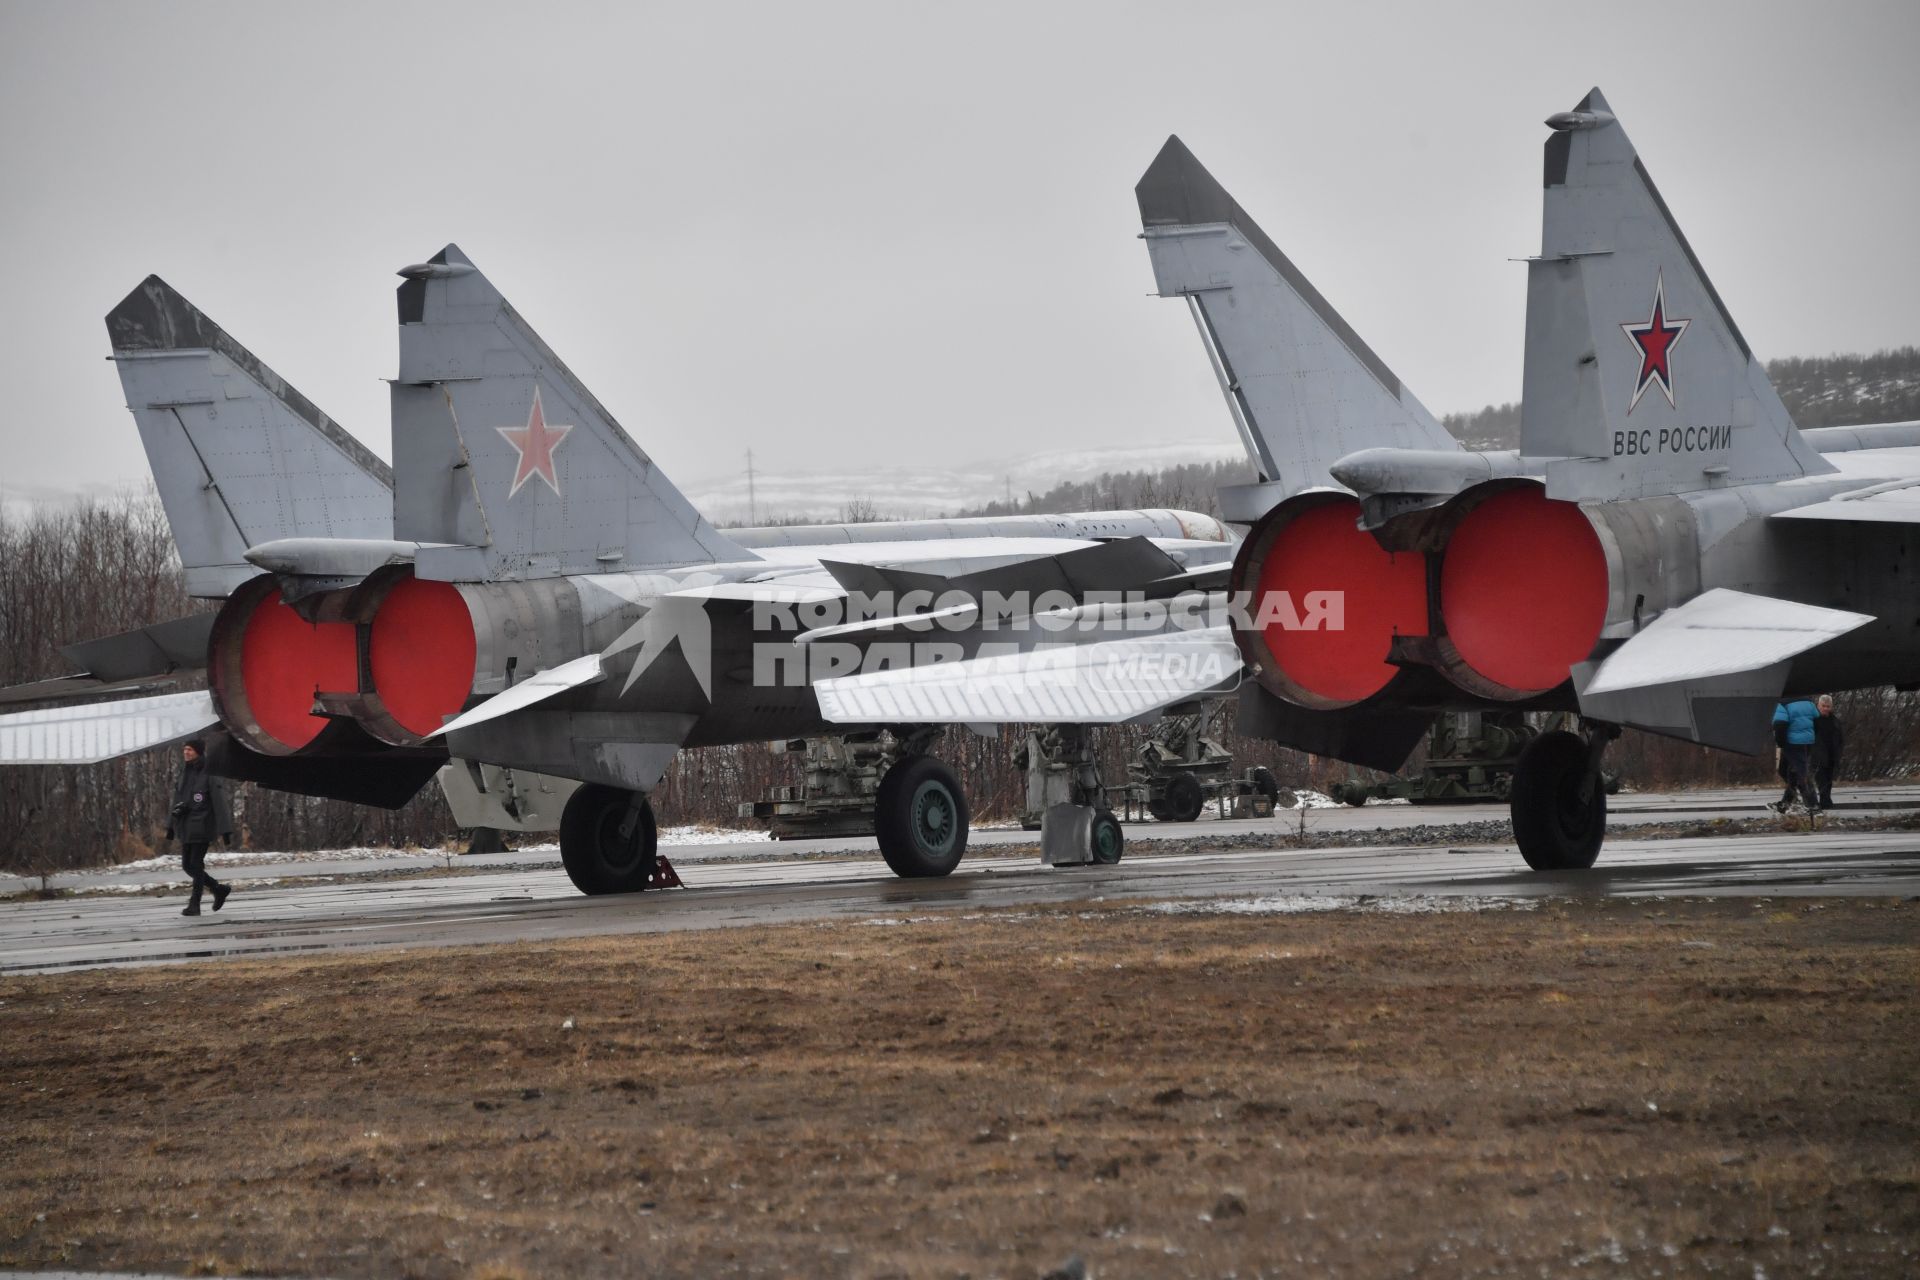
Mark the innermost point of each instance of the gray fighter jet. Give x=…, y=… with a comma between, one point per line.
x=526, y=591
x=1664, y=551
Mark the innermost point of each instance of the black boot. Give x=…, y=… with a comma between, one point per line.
x=192, y=908
x=220, y=892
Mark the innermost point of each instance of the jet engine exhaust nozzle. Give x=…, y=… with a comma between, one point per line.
x=1523, y=593
x=1308, y=551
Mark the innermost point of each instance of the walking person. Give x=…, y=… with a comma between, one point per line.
x=1829, y=740
x=1793, y=735
x=202, y=813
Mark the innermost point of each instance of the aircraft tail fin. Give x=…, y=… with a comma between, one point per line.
x=500, y=451
x=239, y=457
x=1305, y=390
x=1637, y=377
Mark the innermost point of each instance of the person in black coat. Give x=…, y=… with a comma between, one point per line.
x=1829, y=740
x=202, y=813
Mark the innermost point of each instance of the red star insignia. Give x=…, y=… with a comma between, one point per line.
x=1654, y=340
x=536, y=442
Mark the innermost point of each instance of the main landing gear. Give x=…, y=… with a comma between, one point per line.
x=610, y=844
x=1559, y=799
x=920, y=816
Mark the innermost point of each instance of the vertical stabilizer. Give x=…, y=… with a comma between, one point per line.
x=1636, y=374
x=1303, y=387
x=239, y=457
x=501, y=451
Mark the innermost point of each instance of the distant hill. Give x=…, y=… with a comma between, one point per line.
x=1185, y=486
x=1819, y=391
x=1846, y=391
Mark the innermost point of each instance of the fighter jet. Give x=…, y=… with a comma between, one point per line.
x=526, y=591
x=1664, y=551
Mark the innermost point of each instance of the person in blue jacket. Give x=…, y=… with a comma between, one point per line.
x=1793, y=736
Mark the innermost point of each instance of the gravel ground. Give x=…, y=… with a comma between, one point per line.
x=1645, y=1089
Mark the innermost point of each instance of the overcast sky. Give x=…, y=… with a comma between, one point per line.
x=899, y=235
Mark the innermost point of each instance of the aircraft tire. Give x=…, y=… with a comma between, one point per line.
x=920, y=817
x=596, y=859
x=1558, y=821
x=1109, y=842
x=1185, y=799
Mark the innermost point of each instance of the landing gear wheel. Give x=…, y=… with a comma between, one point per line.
x=607, y=843
x=920, y=816
x=1185, y=799
x=1559, y=807
x=1108, y=840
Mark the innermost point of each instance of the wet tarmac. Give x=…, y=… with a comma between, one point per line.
x=538, y=904
x=1625, y=812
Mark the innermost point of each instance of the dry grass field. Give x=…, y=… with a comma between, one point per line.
x=1618, y=1088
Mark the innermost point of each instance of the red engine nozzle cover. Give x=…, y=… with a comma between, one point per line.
x=1319, y=548
x=1523, y=589
x=421, y=651
x=268, y=663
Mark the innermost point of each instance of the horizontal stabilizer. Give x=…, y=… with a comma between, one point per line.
x=1206, y=577
x=776, y=592
x=1718, y=633
x=102, y=730
x=1106, y=682
x=1732, y=712
x=874, y=580
x=1303, y=388
x=158, y=650
x=1116, y=565
x=536, y=688
x=79, y=689
x=239, y=456
x=951, y=618
x=1897, y=502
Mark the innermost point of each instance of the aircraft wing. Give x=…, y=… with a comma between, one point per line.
x=102, y=730
x=1718, y=633
x=1711, y=670
x=1106, y=682
x=1897, y=502
x=535, y=688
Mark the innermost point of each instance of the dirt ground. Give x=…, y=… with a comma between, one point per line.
x=1667, y=1088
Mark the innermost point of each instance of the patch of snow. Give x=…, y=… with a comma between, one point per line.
x=271, y=857
x=1283, y=904
x=677, y=836
x=709, y=835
